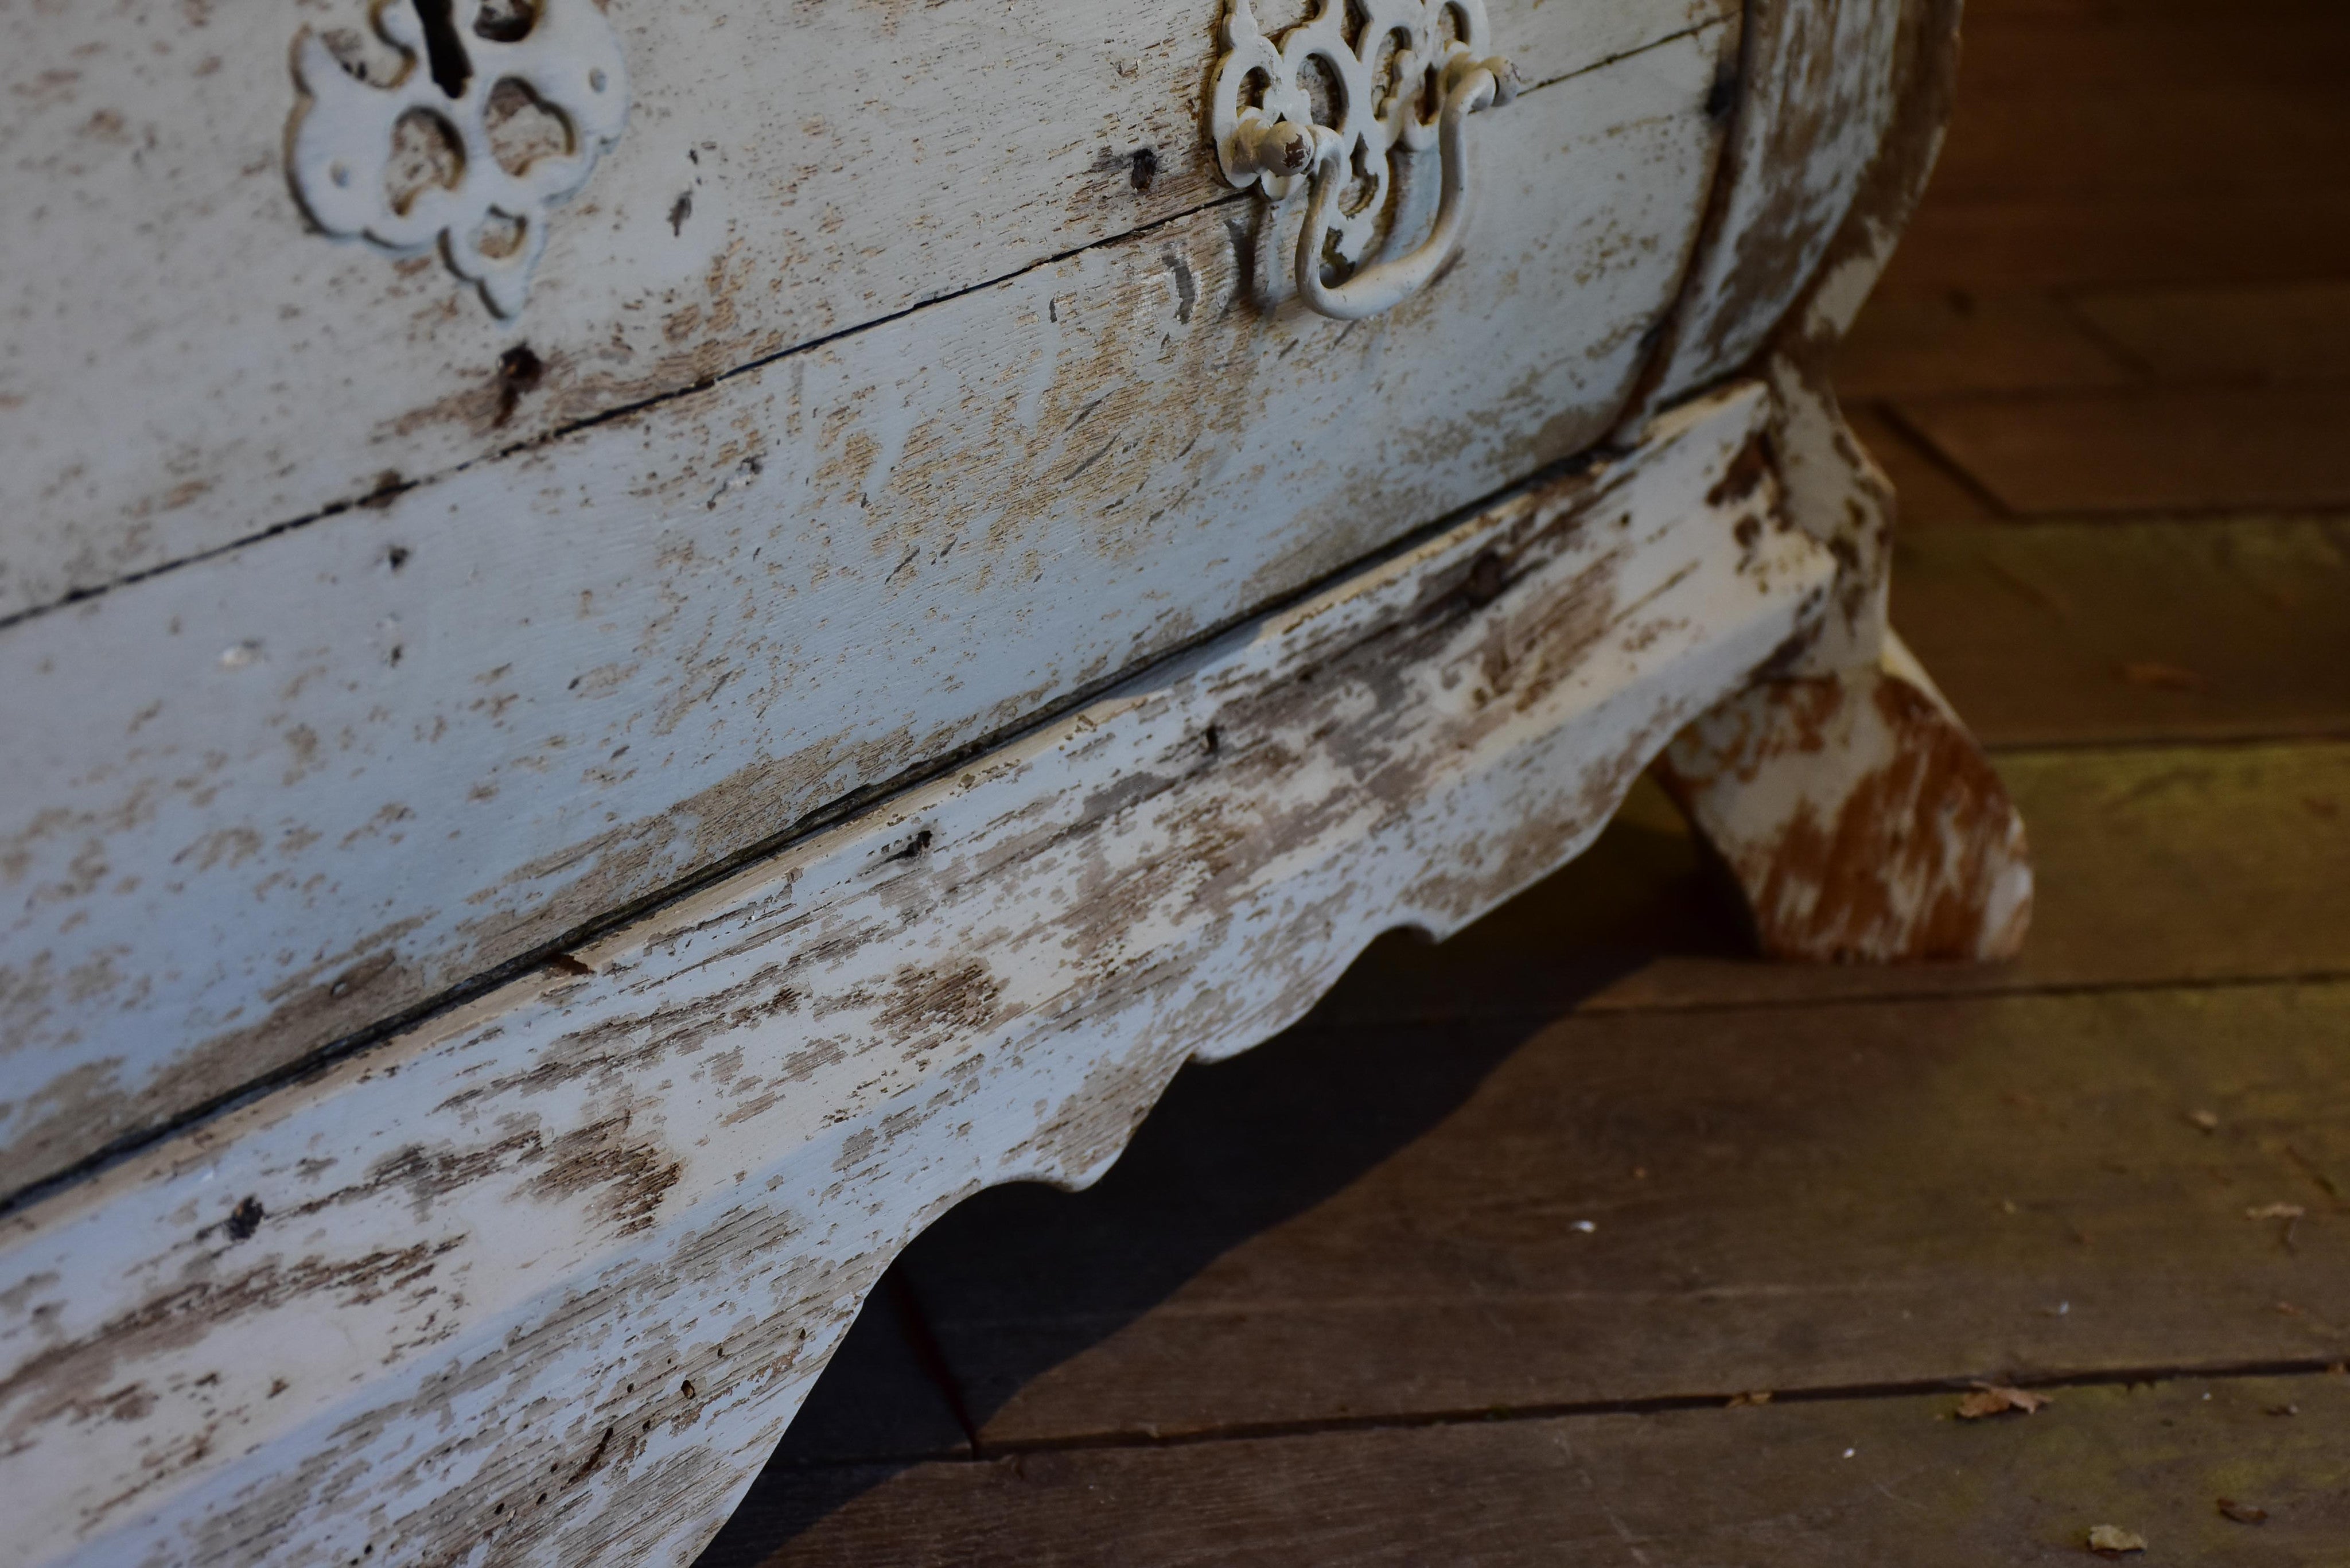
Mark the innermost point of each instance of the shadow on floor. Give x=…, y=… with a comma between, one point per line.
x=1020, y=1278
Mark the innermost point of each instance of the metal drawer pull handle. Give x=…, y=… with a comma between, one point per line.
x=1278, y=145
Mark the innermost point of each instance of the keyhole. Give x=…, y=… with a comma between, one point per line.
x=442, y=51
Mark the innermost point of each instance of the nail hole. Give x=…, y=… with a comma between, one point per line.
x=520, y=370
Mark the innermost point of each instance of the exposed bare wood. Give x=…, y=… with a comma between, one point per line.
x=599, y=1230
x=1859, y=818
x=190, y=362
x=412, y=741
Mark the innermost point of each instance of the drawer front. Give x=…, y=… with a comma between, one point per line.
x=189, y=363
x=540, y=1281
x=324, y=775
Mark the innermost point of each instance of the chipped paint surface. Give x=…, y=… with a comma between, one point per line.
x=1859, y=819
x=543, y=1281
x=1820, y=84
x=321, y=777
x=191, y=363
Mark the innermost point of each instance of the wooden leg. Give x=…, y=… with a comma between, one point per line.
x=1859, y=818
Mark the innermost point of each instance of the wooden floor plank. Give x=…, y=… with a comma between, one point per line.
x=2284, y=332
x=2135, y=47
x=1874, y=1481
x=2210, y=864
x=1961, y=342
x=2106, y=632
x=2149, y=451
x=1361, y=1223
x=2188, y=237
x=1777, y=1168
x=2221, y=132
x=1929, y=494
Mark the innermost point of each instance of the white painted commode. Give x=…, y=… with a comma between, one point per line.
x=643, y=644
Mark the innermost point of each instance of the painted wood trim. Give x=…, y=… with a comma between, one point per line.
x=541, y=1281
x=191, y=363
x=324, y=777
x=1859, y=820
x=1820, y=83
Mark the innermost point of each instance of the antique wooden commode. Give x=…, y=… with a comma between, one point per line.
x=645, y=643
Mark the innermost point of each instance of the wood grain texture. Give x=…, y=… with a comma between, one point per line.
x=2152, y=450
x=189, y=363
x=606, y=1223
x=1959, y=343
x=2140, y=240
x=2286, y=332
x=2153, y=865
x=1771, y=1488
x=319, y=778
x=1664, y=1205
x=2119, y=631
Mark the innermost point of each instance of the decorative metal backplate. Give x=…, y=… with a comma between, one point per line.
x=1397, y=77
x=1388, y=59
x=468, y=67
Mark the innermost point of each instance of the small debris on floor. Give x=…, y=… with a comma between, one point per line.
x=2284, y=1409
x=1998, y=1399
x=2209, y=1121
x=2275, y=1212
x=2242, y=1512
x=2113, y=1540
x=1751, y=1397
x=2158, y=677
x=1585, y=1226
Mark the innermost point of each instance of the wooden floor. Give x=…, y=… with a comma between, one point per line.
x=1583, y=1240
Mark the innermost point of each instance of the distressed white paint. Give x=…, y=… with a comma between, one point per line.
x=186, y=363
x=1859, y=819
x=541, y=1281
x=1819, y=90
x=326, y=775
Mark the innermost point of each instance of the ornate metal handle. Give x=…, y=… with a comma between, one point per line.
x=1277, y=144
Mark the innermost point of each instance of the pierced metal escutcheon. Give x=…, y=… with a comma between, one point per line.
x=430, y=155
x=1407, y=77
